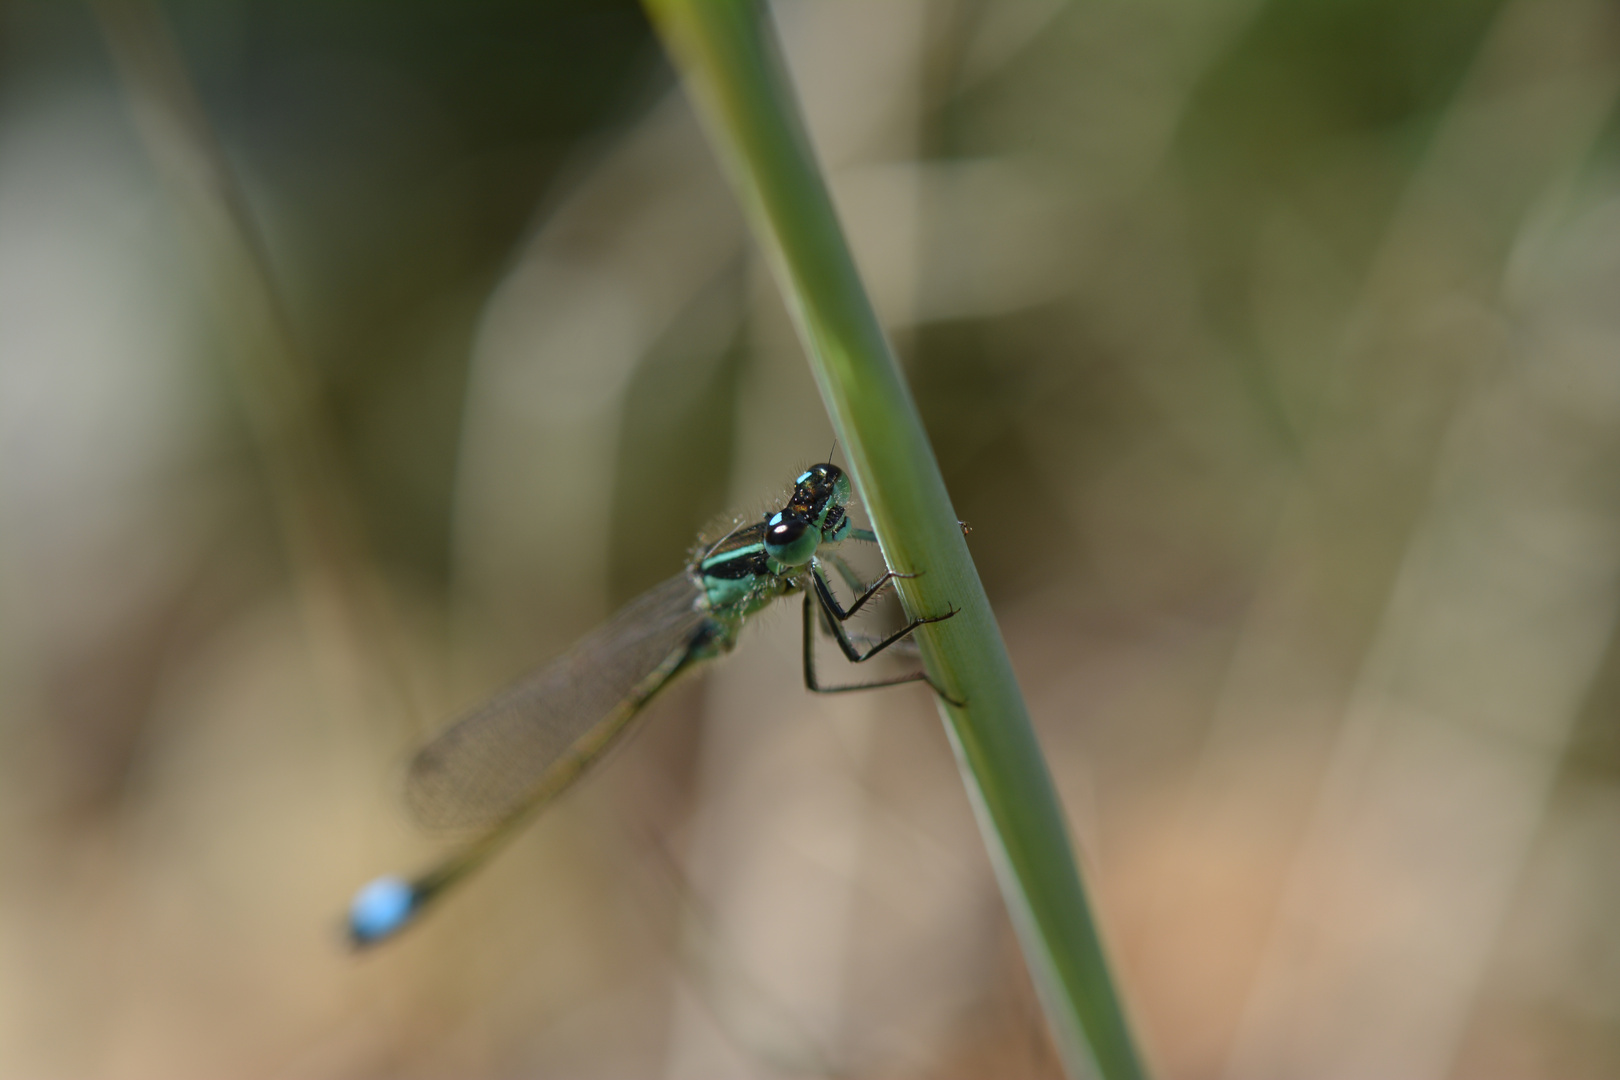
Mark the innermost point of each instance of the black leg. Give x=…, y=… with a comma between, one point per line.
x=831, y=602
x=814, y=685
x=906, y=647
x=852, y=579
x=821, y=601
x=856, y=585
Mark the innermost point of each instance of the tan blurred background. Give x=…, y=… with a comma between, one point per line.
x=356, y=357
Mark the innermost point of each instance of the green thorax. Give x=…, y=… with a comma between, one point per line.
x=738, y=577
x=750, y=567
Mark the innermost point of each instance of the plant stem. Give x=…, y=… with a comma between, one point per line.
x=728, y=53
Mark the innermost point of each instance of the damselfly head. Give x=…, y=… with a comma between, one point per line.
x=820, y=494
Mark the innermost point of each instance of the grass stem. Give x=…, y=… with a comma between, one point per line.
x=729, y=57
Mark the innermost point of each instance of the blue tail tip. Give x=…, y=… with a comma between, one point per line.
x=380, y=910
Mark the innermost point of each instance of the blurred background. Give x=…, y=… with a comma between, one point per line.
x=355, y=358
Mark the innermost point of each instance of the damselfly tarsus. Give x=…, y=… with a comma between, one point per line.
x=497, y=766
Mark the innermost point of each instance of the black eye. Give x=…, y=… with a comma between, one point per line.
x=785, y=528
x=789, y=538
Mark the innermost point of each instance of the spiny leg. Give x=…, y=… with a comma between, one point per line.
x=814, y=685
x=867, y=536
x=859, y=587
x=856, y=585
x=829, y=604
x=823, y=599
x=834, y=608
x=906, y=647
x=851, y=578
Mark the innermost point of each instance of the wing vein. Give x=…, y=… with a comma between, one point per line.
x=533, y=739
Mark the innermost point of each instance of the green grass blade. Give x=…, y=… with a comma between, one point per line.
x=728, y=54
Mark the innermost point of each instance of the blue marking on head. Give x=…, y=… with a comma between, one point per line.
x=381, y=909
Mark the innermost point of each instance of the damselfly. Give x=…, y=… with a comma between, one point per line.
x=497, y=766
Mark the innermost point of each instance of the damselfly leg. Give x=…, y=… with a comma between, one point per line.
x=834, y=615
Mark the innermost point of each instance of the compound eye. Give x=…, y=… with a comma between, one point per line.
x=789, y=539
x=840, y=484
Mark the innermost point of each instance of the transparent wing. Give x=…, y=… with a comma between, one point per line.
x=534, y=739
